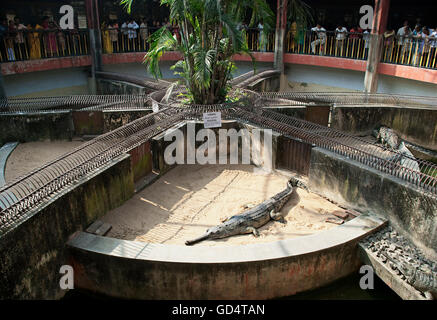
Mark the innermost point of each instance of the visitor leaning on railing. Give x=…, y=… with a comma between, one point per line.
x=414, y=50
x=318, y=41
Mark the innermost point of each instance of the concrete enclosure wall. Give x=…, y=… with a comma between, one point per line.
x=32, y=250
x=142, y=270
x=366, y=189
x=24, y=127
x=418, y=126
x=340, y=79
x=105, y=86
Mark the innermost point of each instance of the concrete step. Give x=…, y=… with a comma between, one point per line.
x=5, y=152
x=99, y=228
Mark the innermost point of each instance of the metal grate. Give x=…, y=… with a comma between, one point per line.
x=28, y=191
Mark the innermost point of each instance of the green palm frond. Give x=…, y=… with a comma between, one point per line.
x=160, y=42
x=127, y=5
x=300, y=12
x=208, y=37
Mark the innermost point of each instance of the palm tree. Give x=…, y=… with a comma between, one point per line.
x=210, y=34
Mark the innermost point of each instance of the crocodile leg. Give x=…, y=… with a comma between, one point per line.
x=277, y=216
x=249, y=206
x=252, y=230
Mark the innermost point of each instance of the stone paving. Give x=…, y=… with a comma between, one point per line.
x=407, y=262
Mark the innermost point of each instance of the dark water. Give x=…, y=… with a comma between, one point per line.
x=348, y=289
x=344, y=289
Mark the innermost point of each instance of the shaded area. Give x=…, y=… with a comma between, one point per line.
x=348, y=288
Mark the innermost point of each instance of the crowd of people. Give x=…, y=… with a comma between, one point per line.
x=130, y=35
x=43, y=39
x=412, y=46
x=319, y=43
x=19, y=41
x=407, y=46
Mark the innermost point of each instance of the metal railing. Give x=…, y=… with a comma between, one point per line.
x=417, y=51
x=260, y=41
x=119, y=40
x=347, y=98
x=414, y=51
x=41, y=44
x=28, y=191
x=122, y=40
x=346, y=45
x=31, y=190
x=30, y=44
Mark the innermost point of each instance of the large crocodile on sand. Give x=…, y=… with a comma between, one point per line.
x=249, y=221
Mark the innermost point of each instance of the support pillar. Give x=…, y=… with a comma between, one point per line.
x=95, y=41
x=2, y=88
x=376, y=45
x=281, y=25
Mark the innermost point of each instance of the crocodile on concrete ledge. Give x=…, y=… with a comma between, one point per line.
x=426, y=282
x=249, y=221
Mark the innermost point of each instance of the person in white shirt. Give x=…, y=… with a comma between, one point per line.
x=404, y=28
x=321, y=38
x=340, y=37
x=404, y=40
x=124, y=33
x=261, y=38
x=366, y=38
x=132, y=33
x=132, y=29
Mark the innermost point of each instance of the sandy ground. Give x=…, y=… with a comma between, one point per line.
x=31, y=155
x=189, y=199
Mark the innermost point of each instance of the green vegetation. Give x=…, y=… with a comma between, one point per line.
x=209, y=34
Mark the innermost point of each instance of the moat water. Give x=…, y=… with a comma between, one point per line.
x=344, y=289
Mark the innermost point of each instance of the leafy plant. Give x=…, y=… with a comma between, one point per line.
x=209, y=35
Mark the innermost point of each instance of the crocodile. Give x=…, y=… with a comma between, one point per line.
x=248, y=221
x=425, y=282
x=387, y=137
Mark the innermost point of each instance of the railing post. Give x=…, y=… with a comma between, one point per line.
x=376, y=45
x=2, y=87
x=281, y=24
x=95, y=41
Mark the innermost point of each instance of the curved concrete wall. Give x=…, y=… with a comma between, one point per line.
x=339, y=79
x=47, y=83
x=141, y=270
x=74, y=80
x=32, y=248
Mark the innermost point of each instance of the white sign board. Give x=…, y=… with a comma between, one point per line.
x=155, y=106
x=81, y=21
x=212, y=119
